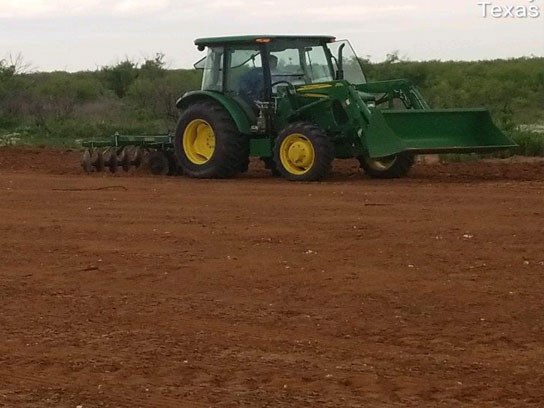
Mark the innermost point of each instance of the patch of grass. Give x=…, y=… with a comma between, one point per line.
x=70, y=133
x=23, y=137
x=530, y=143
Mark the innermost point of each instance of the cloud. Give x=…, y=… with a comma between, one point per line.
x=140, y=7
x=238, y=12
x=24, y=9
x=81, y=34
x=306, y=10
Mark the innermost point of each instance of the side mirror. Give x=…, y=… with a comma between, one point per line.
x=340, y=62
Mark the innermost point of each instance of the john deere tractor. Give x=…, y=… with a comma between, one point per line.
x=298, y=102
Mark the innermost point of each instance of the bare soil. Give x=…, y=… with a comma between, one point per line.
x=130, y=290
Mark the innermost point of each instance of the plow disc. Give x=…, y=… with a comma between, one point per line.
x=93, y=160
x=126, y=152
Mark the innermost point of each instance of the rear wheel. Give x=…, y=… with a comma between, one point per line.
x=208, y=144
x=390, y=167
x=303, y=152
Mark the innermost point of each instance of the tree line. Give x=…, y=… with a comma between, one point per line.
x=139, y=98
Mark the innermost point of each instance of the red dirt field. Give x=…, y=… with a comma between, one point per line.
x=141, y=291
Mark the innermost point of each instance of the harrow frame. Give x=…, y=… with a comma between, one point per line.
x=125, y=151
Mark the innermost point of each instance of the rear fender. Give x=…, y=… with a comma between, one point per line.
x=240, y=118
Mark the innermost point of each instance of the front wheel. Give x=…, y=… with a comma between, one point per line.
x=390, y=167
x=303, y=152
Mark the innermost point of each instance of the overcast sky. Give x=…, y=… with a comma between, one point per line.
x=77, y=35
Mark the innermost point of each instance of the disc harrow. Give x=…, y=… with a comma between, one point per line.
x=156, y=153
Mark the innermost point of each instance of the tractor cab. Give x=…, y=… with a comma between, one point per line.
x=251, y=69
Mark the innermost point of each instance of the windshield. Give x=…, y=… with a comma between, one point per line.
x=353, y=73
x=299, y=63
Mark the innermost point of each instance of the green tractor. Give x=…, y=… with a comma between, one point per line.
x=297, y=103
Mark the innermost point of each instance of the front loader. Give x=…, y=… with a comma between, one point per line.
x=298, y=102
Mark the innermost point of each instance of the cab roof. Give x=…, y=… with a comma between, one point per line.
x=251, y=39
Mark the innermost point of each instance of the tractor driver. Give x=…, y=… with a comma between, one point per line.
x=252, y=82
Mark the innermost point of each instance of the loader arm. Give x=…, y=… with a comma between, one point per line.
x=397, y=88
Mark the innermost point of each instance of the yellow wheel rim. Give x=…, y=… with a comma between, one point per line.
x=199, y=141
x=297, y=154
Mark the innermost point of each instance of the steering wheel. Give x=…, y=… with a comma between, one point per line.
x=289, y=85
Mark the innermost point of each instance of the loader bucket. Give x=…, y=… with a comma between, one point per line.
x=433, y=132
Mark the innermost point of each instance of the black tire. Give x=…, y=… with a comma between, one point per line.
x=231, y=152
x=245, y=163
x=323, y=152
x=389, y=167
x=158, y=163
x=269, y=164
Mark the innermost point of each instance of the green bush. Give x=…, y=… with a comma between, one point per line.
x=119, y=77
x=515, y=85
x=157, y=96
x=530, y=143
x=132, y=98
